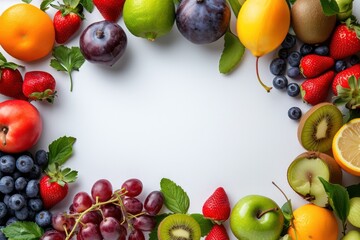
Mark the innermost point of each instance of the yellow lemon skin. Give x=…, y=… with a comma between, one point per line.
x=262, y=25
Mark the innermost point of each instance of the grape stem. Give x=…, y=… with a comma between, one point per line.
x=258, y=76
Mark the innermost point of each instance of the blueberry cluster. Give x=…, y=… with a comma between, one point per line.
x=19, y=188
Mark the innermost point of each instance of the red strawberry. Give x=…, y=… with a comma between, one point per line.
x=218, y=232
x=313, y=65
x=342, y=77
x=39, y=85
x=66, y=24
x=110, y=9
x=315, y=90
x=217, y=206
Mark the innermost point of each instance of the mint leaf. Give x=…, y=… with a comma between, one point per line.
x=88, y=5
x=205, y=223
x=235, y=6
x=158, y=218
x=45, y=4
x=330, y=7
x=232, y=53
x=353, y=190
x=60, y=150
x=23, y=231
x=175, y=198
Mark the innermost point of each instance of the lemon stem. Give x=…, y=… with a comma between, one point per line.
x=258, y=76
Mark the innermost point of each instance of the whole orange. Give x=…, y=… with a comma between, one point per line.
x=312, y=222
x=26, y=32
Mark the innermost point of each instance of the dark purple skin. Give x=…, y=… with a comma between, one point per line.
x=203, y=21
x=103, y=42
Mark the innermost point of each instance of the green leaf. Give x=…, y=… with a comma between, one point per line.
x=353, y=190
x=23, y=231
x=158, y=218
x=287, y=210
x=45, y=4
x=27, y=1
x=235, y=6
x=69, y=175
x=175, y=198
x=60, y=150
x=232, y=53
x=205, y=223
x=330, y=7
x=88, y=5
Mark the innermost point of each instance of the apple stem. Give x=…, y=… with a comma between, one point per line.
x=262, y=213
x=258, y=76
x=4, y=131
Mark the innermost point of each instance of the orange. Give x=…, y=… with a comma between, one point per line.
x=26, y=32
x=312, y=222
x=346, y=147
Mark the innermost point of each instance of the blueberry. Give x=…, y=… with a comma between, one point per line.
x=41, y=158
x=7, y=164
x=340, y=65
x=293, y=89
x=32, y=188
x=22, y=214
x=306, y=49
x=280, y=82
x=16, y=202
x=322, y=50
x=11, y=220
x=283, y=53
x=6, y=199
x=354, y=59
x=289, y=41
x=35, y=204
x=16, y=174
x=293, y=72
x=6, y=184
x=294, y=59
x=43, y=218
x=278, y=66
x=3, y=210
x=20, y=183
x=24, y=163
x=35, y=172
x=294, y=113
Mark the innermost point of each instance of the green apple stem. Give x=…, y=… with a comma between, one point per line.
x=262, y=213
x=4, y=131
x=258, y=76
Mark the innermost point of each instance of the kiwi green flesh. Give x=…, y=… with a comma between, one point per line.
x=303, y=177
x=320, y=127
x=179, y=227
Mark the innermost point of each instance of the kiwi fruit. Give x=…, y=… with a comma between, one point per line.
x=304, y=172
x=309, y=22
x=318, y=126
x=179, y=226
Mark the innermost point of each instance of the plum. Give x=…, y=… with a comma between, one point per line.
x=203, y=21
x=103, y=42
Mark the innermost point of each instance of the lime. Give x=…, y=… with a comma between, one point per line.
x=149, y=19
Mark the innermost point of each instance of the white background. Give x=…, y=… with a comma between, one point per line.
x=164, y=110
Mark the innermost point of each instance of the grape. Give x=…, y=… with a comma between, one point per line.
x=132, y=205
x=92, y=216
x=133, y=186
x=110, y=228
x=81, y=202
x=111, y=210
x=102, y=189
x=136, y=235
x=90, y=231
x=53, y=235
x=60, y=222
x=154, y=202
x=144, y=222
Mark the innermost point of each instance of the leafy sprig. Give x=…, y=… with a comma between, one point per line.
x=23, y=231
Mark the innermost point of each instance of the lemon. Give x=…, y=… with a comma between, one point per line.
x=346, y=147
x=149, y=19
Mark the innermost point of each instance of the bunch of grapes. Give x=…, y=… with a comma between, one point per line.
x=107, y=214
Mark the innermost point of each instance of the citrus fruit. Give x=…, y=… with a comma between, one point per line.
x=313, y=222
x=26, y=32
x=149, y=19
x=346, y=147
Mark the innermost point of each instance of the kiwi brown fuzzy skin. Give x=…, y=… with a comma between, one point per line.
x=330, y=133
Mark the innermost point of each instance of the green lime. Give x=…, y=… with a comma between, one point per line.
x=149, y=19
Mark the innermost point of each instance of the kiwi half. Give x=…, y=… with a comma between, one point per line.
x=318, y=127
x=179, y=226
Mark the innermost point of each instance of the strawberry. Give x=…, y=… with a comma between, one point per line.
x=217, y=232
x=217, y=206
x=110, y=9
x=313, y=65
x=39, y=85
x=345, y=41
x=315, y=90
x=341, y=78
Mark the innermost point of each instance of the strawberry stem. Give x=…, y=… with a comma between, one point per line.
x=258, y=76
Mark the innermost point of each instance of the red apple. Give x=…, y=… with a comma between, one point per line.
x=20, y=126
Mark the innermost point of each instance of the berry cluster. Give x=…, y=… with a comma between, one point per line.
x=19, y=189
x=108, y=214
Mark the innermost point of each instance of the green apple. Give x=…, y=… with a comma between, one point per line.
x=352, y=235
x=256, y=217
x=354, y=213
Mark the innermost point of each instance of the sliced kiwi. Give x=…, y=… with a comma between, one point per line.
x=304, y=172
x=179, y=226
x=318, y=127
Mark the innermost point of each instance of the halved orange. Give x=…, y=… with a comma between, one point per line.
x=346, y=147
